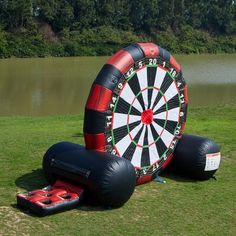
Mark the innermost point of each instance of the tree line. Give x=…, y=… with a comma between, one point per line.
x=31, y=28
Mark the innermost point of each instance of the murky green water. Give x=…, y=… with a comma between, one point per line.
x=48, y=86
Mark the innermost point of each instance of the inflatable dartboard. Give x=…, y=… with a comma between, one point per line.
x=137, y=108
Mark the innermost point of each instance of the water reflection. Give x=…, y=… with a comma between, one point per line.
x=46, y=86
x=51, y=86
x=211, y=94
x=210, y=69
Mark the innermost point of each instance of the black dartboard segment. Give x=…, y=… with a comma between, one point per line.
x=146, y=111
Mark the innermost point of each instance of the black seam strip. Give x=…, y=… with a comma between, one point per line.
x=92, y=127
x=108, y=77
x=135, y=51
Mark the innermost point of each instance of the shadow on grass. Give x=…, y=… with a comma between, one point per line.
x=169, y=173
x=93, y=208
x=24, y=210
x=33, y=180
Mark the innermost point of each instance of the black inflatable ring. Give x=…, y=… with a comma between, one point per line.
x=137, y=108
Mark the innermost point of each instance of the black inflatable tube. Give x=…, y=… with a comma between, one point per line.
x=109, y=179
x=196, y=157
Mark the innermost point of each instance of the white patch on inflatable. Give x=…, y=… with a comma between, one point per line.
x=124, y=143
x=161, y=115
x=119, y=120
x=212, y=161
x=160, y=75
x=159, y=104
x=167, y=137
x=154, y=94
x=173, y=114
x=140, y=141
x=128, y=95
x=171, y=92
x=136, y=159
x=157, y=127
x=142, y=78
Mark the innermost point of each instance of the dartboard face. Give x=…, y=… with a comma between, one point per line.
x=143, y=106
x=146, y=115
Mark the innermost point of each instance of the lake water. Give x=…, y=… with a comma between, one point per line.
x=49, y=86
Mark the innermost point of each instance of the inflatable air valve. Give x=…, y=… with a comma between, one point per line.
x=196, y=157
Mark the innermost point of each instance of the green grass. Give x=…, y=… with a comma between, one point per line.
x=179, y=207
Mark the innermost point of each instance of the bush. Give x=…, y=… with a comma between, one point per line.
x=4, y=53
x=56, y=49
x=105, y=40
x=168, y=41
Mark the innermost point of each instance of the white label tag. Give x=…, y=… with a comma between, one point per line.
x=212, y=161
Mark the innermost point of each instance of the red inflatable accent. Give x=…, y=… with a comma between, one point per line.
x=95, y=142
x=149, y=49
x=186, y=94
x=144, y=179
x=99, y=98
x=174, y=63
x=122, y=60
x=60, y=196
x=182, y=128
x=167, y=162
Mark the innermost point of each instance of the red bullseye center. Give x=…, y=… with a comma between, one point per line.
x=147, y=116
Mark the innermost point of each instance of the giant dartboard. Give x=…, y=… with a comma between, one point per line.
x=137, y=108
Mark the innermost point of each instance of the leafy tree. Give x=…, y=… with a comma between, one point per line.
x=98, y=27
x=15, y=13
x=84, y=14
x=58, y=13
x=144, y=15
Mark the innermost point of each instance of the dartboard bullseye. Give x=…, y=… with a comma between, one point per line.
x=137, y=107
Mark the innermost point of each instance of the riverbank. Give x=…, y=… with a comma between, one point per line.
x=179, y=207
x=105, y=41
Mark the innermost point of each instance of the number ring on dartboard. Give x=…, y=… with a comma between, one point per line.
x=137, y=108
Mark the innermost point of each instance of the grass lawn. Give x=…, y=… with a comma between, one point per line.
x=179, y=207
